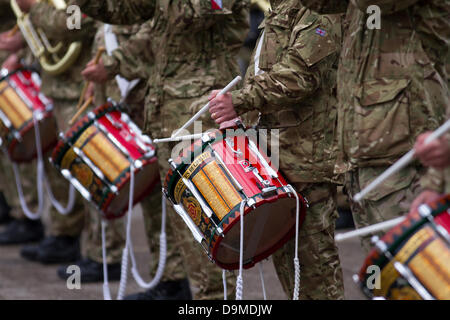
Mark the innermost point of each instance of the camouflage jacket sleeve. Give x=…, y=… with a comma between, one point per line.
x=133, y=58
x=53, y=23
x=326, y=6
x=118, y=11
x=386, y=6
x=293, y=78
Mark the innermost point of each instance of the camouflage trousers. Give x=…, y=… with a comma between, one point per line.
x=8, y=186
x=388, y=201
x=321, y=273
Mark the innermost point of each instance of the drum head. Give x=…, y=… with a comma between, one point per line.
x=266, y=229
x=145, y=181
x=25, y=150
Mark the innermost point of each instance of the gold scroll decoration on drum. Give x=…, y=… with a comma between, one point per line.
x=13, y=106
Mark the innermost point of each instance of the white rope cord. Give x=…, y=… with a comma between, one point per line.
x=261, y=275
x=296, y=260
x=57, y=205
x=239, y=280
x=39, y=178
x=224, y=279
x=106, y=291
x=162, y=255
x=124, y=265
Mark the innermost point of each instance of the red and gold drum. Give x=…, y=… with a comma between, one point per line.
x=413, y=257
x=20, y=98
x=96, y=156
x=209, y=181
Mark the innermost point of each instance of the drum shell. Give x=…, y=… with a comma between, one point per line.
x=251, y=187
x=20, y=98
x=101, y=149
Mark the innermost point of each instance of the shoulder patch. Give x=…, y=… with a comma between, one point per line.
x=216, y=5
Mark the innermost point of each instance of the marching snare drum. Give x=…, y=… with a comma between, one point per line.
x=414, y=257
x=96, y=155
x=207, y=184
x=20, y=98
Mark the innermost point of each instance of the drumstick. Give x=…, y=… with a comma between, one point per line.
x=206, y=106
x=180, y=138
x=86, y=85
x=13, y=31
x=81, y=110
x=370, y=229
x=402, y=162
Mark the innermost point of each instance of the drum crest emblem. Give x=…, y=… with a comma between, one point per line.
x=83, y=174
x=193, y=208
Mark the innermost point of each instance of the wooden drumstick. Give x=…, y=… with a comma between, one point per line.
x=86, y=85
x=402, y=162
x=81, y=110
x=13, y=31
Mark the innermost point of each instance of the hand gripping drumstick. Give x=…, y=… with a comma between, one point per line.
x=86, y=85
x=206, y=106
x=406, y=159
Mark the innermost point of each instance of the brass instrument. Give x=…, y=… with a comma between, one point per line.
x=40, y=46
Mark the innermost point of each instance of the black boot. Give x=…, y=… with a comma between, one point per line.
x=22, y=231
x=4, y=210
x=60, y=249
x=91, y=271
x=166, y=290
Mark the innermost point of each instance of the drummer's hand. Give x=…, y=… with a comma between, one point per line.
x=11, y=43
x=95, y=72
x=426, y=196
x=12, y=63
x=25, y=5
x=221, y=107
x=435, y=154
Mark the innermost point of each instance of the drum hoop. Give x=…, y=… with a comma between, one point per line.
x=215, y=239
x=120, y=182
x=23, y=130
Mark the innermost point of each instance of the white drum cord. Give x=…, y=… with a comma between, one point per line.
x=239, y=280
x=40, y=175
x=224, y=279
x=261, y=275
x=57, y=205
x=162, y=254
x=296, y=260
x=106, y=291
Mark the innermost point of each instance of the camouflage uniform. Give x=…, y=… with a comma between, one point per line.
x=132, y=67
x=393, y=86
x=27, y=170
x=295, y=94
x=193, y=51
x=64, y=90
